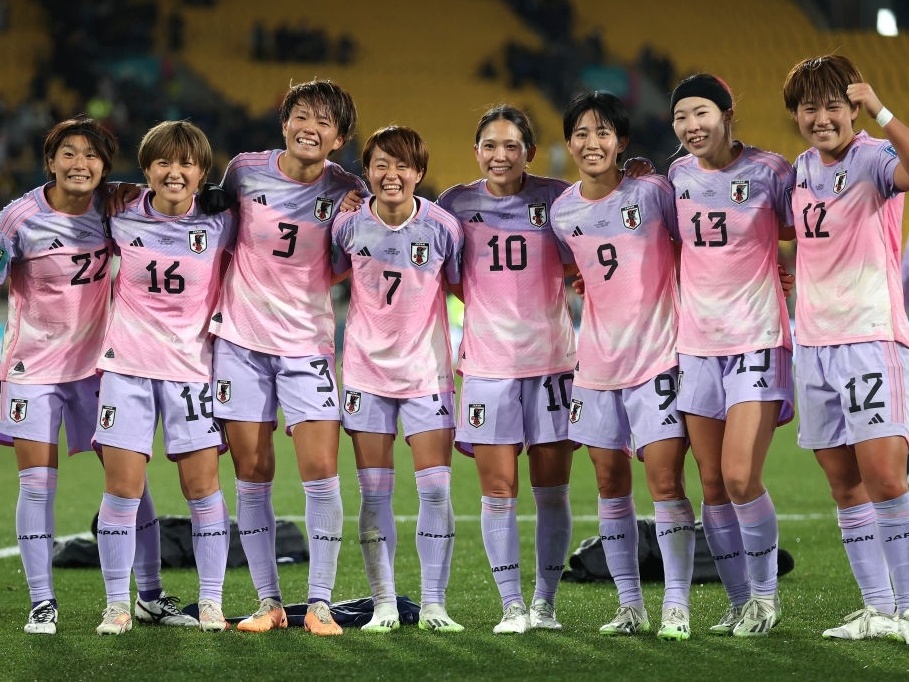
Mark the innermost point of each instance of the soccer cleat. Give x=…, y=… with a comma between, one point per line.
x=728, y=621
x=515, y=620
x=902, y=626
x=318, y=620
x=211, y=617
x=629, y=620
x=163, y=611
x=759, y=615
x=385, y=618
x=42, y=620
x=270, y=615
x=866, y=623
x=542, y=615
x=435, y=618
x=116, y=619
x=675, y=625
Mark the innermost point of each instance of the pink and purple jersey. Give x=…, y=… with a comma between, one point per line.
x=622, y=245
x=730, y=220
x=849, y=239
x=276, y=296
x=516, y=320
x=397, y=343
x=58, y=267
x=165, y=291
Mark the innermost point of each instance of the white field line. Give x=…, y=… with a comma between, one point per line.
x=6, y=552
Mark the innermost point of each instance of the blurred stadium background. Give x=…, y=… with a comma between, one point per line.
x=429, y=64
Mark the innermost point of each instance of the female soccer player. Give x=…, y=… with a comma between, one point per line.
x=734, y=342
x=157, y=360
x=401, y=252
x=516, y=357
x=275, y=345
x=851, y=328
x=57, y=256
x=621, y=231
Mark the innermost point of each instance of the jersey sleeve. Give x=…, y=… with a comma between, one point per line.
x=340, y=243
x=885, y=169
x=782, y=195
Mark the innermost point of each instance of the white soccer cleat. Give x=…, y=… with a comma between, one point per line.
x=759, y=616
x=115, y=619
x=542, y=615
x=163, y=611
x=42, y=620
x=385, y=618
x=866, y=623
x=515, y=620
x=675, y=626
x=211, y=617
x=728, y=621
x=435, y=618
x=629, y=620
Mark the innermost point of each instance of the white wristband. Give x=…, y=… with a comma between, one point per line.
x=884, y=116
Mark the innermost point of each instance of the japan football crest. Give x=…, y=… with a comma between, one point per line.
x=538, y=214
x=740, y=190
x=631, y=216
x=198, y=240
x=352, y=401
x=839, y=181
x=18, y=409
x=419, y=253
x=323, y=209
x=108, y=416
x=476, y=414
x=222, y=390
x=574, y=412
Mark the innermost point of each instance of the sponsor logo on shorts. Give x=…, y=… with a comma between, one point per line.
x=18, y=409
x=419, y=253
x=198, y=240
x=108, y=416
x=631, y=216
x=352, y=401
x=538, y=214
x=740, y=190
x=574, y=410
x=222, y=390
x=476, y=414
x=323, y=209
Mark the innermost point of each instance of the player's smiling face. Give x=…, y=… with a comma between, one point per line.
x=827, y=126
x=594, y=145
x=392, y=180
x=310, y=135
x=174, y=182
x=503, y=157
x=702, y=129
x=77, y=168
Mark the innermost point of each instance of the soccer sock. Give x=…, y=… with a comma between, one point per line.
x=619, y=537
x=117, y=544
x=864, y=549
x=675, y=537
x=35, y=529
x=378, y=534
x=435, y=532
x=256, y=524
x=324, y=525
x=760, y=538
x=147, y=562
x=499, y=525
x=552, y=539
x=893, y=525
x=211, y=539
x=724, y=538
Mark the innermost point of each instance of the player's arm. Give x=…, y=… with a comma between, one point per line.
x=895, y=130
x=787, y=233
x=337, y=279
x=457, y=290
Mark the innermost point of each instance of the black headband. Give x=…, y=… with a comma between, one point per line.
x=704, y=86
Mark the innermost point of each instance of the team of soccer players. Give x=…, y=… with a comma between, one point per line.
x=684, y=338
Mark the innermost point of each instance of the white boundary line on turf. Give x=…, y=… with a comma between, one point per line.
x=6, y=552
